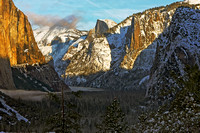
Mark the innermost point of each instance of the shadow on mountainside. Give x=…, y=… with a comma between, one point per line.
x=6, y=80
x=118, y=78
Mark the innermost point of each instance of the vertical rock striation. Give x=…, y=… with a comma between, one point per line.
x=18, y=35
x=145, y=28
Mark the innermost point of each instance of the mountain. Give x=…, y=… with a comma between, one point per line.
x=174, y=79
x=102, y=26
x=177, y=47
x=55, y=35
x=17, y=42
x=18, y=48
x=111, y=56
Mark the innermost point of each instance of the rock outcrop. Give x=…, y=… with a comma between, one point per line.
x=175, y=75
x=18, y=36
x=102, y=26
x=178, y=47
x=89, y=57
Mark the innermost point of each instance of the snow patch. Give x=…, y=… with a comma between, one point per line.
x=192, y=2
x=8, y=109
x=144, y=79
x=26, y=50
x=81, y=80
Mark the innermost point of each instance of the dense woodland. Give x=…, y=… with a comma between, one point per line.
x=90, y=105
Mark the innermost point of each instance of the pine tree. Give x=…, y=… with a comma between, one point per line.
x=70, y=122
x=113, y=120
x=190, y=88
x=182, y=113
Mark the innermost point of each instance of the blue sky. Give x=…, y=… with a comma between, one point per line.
x=88, y=10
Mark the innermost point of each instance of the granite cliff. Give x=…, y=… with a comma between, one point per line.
x=18, y=35
x=18, y=46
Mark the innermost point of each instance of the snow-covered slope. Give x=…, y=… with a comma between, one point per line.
x=44, y=36
x=178, y=46
x=174, y=79
x=8, y=114
x=48, y=37
x=192, y=1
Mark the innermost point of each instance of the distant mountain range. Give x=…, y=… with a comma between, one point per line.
x=111, y=56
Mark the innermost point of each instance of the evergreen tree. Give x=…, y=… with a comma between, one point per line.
x=183, y=111
x=70, y=123
x=113, y=120
x=190, y=88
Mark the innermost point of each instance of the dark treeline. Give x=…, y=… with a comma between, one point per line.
x=91, y=106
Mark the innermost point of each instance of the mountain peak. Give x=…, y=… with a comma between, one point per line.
x=103, y=25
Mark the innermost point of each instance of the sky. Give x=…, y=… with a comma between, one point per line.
x=84, y=13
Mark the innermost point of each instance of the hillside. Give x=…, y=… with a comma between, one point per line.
x=174, y=78
x=177, y=47
x=9, y=115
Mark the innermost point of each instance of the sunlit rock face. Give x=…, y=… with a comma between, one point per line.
x=18, y=35
x=6, y=80
x=89, y=57
x=178, y=46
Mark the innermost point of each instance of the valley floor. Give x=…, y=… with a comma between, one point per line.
x=40, y=95
x=75, y=88
x=25, y=95
x=91, y=106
